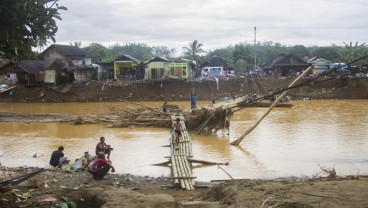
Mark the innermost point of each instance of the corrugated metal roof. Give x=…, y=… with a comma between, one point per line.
x=68, y=50
x=32, y=66
x=126, y=57
x=4, y=62
x=157, y=59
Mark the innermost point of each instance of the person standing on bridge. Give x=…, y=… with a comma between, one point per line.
x=177, y=130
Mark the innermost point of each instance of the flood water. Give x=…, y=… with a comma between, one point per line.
x=289, y=142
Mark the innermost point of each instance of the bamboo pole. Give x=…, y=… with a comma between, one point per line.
x=174, y=170
x=163, y=163
x=204, y=162
x=237, y=142
x=183, y=182
x=190, y=171
x=187, y=171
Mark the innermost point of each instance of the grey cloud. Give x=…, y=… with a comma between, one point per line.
x=215, y=23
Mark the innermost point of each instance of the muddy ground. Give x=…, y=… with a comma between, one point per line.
x=48, y=189
x=172, y=89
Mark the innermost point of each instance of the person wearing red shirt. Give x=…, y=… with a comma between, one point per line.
x=102, y=166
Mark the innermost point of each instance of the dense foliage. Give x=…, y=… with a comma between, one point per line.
x=25, y=24
x=240, y=55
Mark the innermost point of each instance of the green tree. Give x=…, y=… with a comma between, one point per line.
x=300, y=50
x=241, y=67
x=225, y=53
x=27, y=23
x=352, y=51
x=100, y=53
x=138, y=50
x=193, y=50
x=244, y=51
x=163, y=51
x=330, y=53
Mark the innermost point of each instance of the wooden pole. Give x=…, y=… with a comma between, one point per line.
x=204, y=162
x=237, y=142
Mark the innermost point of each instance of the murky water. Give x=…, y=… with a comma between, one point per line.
x=289, y=142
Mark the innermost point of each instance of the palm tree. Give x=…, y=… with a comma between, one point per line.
x=193, y=50
x=76, y=44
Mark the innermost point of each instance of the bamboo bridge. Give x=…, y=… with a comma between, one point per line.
x=180, y=167
x=181, y=158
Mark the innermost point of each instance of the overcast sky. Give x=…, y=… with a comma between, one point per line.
x=215, y=23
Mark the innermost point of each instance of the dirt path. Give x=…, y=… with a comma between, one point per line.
x=117, y=191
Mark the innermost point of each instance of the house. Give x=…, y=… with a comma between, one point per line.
x=216, y=66
x=320, y=64
x=159, y=68
x=124, y=67
x=284, y=65
x=181, y=68
x=156, y=68
x=128, y=67
x=67, y=64
x=27, y=72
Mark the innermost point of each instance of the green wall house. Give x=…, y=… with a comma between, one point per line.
x=320, y=64
x=159, y=68
x=156, y=68
x=127, y=67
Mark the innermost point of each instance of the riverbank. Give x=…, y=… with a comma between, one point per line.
x=48, y=189
x=180, y=90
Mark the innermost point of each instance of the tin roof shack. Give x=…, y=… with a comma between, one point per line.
x=27, y=72
x=284, y=65
x=320, y=64
x=127, y=67
x=67, y=64
x=216, y=66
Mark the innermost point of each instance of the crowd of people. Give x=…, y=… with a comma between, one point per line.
x=98, y=165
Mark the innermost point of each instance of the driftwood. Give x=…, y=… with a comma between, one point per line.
x=237, y=142
x=8, y=184
x=205, y=162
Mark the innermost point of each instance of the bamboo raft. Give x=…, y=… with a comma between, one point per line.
x=180, y=166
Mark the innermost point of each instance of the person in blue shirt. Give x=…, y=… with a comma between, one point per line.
x=193, y=101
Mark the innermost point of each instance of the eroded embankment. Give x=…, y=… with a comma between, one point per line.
x=96, y=91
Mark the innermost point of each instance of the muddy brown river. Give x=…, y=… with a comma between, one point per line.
x=289, y=142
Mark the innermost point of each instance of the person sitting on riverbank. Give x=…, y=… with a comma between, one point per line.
x=57, y=157
x=101, y=166
x=103, y=147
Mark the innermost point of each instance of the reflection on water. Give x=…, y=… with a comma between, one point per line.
x=289, y=142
